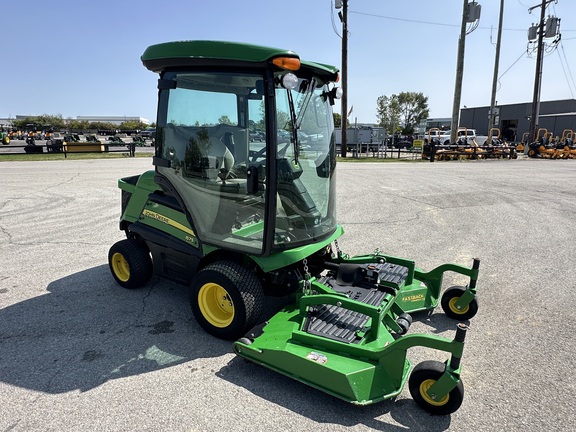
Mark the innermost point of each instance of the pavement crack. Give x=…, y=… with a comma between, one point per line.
x=5, y=233
x=63, y=182
x=145, y=298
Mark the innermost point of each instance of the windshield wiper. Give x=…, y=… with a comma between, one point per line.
x=307, y=87
x=294, y=126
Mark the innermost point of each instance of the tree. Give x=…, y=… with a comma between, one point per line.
x=42, y=122
x=132, y=125
x=337, y=119
x=388, y=113
x=405, y=110
x=224, y=120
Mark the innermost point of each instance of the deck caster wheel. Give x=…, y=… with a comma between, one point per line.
x=245, y=341
x=449, y=300
x=130, y=263
x=404, y=321
x=425, y=376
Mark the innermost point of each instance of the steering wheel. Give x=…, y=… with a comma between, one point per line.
x=260, y=153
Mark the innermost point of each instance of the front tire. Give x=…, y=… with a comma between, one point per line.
x=130, y=263
x=226, y=299
x=425, y=376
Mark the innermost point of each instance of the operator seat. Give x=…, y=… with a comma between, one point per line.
x=228, y=139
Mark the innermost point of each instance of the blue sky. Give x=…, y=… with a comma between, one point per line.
x=81, y=57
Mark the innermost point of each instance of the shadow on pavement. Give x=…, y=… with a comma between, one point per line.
x=324, y=408
x=87, y=330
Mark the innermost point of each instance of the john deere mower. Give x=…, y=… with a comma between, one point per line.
x=238, y=219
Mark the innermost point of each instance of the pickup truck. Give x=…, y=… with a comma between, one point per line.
x=468, y=134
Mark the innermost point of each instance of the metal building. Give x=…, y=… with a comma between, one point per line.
x=513, y=120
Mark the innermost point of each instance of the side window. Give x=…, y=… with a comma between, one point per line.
x=206, y=140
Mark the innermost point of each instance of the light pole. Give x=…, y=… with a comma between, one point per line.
x=470, y=14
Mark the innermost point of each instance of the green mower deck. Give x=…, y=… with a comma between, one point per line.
x=346, y=333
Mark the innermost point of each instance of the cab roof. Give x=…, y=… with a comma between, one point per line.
x=182, y=54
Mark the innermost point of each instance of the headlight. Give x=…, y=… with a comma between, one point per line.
x=289, y=81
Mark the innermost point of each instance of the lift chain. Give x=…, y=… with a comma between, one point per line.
x=337, y=246
x=307, y=285
x=339, y=253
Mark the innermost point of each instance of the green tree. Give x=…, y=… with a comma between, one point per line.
x=337, y=119
x=225, y=120
x=403, y=111
x=77, y=125
x=102, y=126
x=132, y=125
x=44, y=121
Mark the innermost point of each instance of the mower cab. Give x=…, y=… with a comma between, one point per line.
x=241, y=205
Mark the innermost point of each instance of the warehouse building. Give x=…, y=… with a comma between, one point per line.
x=514, y=120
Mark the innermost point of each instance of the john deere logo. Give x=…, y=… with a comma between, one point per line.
x=168, y=221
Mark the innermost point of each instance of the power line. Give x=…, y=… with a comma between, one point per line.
x=564, y=69
x=511, y=66
x=403, y=19
x=430, y=22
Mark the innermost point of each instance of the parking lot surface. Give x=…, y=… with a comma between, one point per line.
x=79, y=353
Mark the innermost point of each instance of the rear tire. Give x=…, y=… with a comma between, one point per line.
x=226, y=299
x=130, y=263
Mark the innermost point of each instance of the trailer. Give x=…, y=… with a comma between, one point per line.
x=361, y=138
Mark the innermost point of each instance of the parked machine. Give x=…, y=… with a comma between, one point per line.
x=236, y=220
x=4, y=136
x=545, y=146
x=567, y=144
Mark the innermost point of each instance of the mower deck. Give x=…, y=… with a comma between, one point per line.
x=344, y=325
x=342, y=335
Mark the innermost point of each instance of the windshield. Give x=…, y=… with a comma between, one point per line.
x=306, y=159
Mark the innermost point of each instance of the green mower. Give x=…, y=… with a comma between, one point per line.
x=241, y=206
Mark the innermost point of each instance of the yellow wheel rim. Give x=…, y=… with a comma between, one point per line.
x=120, y=267
x=216, y=305
x=453, y=308
x=424, y=388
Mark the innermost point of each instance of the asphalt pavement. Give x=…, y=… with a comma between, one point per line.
x=79, y=353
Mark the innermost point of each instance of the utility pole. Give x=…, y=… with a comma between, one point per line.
x=470, y=14
x=344, y=101
x=496, y=65
x=538, y=75
x=459, y=74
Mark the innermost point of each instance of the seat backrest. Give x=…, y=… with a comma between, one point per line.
x=198, y=150
x=228, y=140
